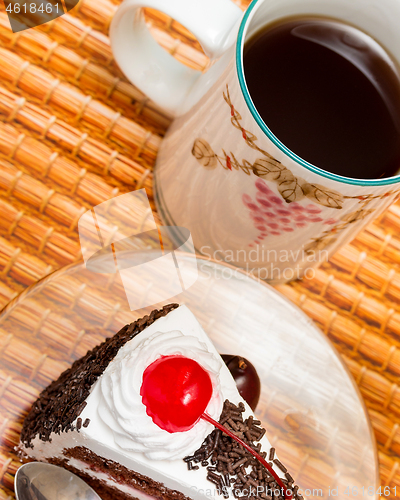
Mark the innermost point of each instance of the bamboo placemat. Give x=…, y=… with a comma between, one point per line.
x=74, y=132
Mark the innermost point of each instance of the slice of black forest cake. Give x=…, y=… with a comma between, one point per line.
x=129, y=419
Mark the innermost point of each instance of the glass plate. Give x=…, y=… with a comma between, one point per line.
x=310, y=405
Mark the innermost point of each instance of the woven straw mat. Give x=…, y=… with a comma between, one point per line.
x=74, y=132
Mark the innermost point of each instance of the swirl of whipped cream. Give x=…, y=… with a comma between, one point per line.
x=121, y=407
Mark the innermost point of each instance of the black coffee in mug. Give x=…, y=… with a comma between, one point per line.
x=329, y=92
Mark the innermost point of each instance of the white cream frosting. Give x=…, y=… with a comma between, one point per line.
x=121, y=407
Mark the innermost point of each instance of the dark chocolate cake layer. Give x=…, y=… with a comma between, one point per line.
x=64, y=399
x=119, y=474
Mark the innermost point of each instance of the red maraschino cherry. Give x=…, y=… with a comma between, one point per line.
x=176, y=391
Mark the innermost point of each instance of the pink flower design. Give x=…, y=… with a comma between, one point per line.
x=271, y=217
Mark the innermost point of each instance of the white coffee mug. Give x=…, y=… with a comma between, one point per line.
x=221, y=173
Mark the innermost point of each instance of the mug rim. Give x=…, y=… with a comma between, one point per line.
x=260, y=122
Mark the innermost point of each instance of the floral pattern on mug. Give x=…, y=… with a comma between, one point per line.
x=272, y=217
x=290, y=187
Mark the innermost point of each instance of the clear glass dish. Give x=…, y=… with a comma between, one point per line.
x=310, y=405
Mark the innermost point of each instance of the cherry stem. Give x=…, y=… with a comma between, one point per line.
x=209, y=419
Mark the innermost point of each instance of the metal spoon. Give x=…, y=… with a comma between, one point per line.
x=41, y=481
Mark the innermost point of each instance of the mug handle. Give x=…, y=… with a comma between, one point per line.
x=148, y=66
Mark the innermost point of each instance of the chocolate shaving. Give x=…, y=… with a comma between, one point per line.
x=289, y=477
x=63, y=400
x=230, y=460
x=280, y=465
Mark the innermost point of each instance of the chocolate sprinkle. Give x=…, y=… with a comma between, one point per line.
x=280, y=465
x=63, y=400
x=289, y=477
x=230, y=460
x=86, y=422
